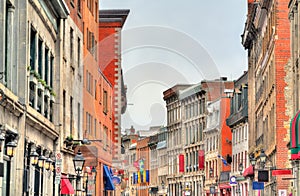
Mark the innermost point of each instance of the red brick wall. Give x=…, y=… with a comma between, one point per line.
x=225, y=132
x=74, y=14
x=282, y=54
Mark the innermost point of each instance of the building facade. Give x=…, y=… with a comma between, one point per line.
x=193, y=115
x=174, y=142
x=30, y=54
x=162, y=157
x=267, y=39
x=110, y=25
x=238, y=122
x=293, y=86
x=217, y=136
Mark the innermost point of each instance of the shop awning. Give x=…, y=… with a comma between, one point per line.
x=108, y=184
x=224, y=186
x=281, y=172
x=249, y=172
x=66, y=186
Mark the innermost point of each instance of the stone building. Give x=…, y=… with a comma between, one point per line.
x=238, y=122
x=69, y=88
x=30, y=52
x=174, y=142
x=193, y=116
x=162, y=158
x=292, y=92
x=267, y=39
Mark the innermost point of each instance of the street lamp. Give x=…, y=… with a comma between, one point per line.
x=34, y=158
x=11, y=148
x=263, y=157
x=41, y=161
x=241, y=167
x=252, y=160
x=78, y=162
x=48, y=163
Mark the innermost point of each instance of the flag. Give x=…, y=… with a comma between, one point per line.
x=139, y=177
x=223, y=160
x=144, y=176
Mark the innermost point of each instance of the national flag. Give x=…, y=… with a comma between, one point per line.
x=223, y=160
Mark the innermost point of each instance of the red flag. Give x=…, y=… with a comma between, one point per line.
x=181, y=163
x=201, y=159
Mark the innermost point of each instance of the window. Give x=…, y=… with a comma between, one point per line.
x=88, y=123
x=40, y=55
x=95, y=127
x=95, y=89
x=78, y=120
x=64, y=109
x=105, y=102
x=78, y=52
x=79, y=6
x=71, y=45
x=32, y=48
x=71, y=115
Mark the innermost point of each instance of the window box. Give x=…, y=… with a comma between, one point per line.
x=47, y=92
x=40, y=86
x=33, y=78
x=52, y=98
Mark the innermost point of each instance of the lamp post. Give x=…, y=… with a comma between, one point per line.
x=238, y=188
x=11, y=148
x=263, y=158
x=78, y=162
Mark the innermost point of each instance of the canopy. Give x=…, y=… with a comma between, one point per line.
x=249, y=172
x=108, y=184
x=66, y=186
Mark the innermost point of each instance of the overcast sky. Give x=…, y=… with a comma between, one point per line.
x=166, y=42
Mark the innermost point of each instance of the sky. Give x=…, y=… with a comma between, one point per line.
x=169, y=42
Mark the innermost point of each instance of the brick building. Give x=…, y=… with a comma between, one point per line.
x=267, y=39
x=238, y=123
x=293, y=80
x=109, y=47
x=217, y=135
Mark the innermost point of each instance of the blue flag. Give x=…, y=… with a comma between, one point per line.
x=223, y=160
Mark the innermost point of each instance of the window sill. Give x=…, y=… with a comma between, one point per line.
x=79, y=14
x=72, y=4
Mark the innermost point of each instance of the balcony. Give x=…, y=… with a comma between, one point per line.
x=237, y=117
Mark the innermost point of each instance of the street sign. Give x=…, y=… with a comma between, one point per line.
x=58, y=164
x=232, y=180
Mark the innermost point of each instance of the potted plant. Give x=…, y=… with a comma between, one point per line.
x=47, y=90
x=69, y=141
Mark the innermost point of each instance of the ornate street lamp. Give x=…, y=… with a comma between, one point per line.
x=11, y=148
x=48, y=163
x=34, y=158
x=41, y=161
x=252, y=160
x=78, y=162
x=262, y=157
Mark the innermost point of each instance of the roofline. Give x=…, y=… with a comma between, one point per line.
x=113, y=15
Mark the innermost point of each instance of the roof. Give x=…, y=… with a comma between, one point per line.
x=161, y=145
x=190, y=91
x=113, y=15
